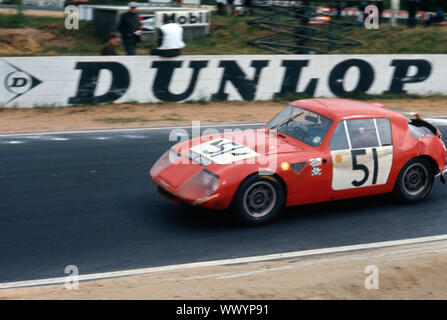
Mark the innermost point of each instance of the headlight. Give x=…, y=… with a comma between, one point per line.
x=202, y=183
x=210, y=181
x=169, y=157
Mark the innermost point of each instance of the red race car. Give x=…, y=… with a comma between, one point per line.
x=314, y=150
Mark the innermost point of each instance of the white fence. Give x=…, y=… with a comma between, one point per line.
x=62, y=81
x=44, y=3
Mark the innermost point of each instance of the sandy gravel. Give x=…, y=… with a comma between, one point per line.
x=130, y=116
x=147, y=115
x=405, y=272
x=27, y=41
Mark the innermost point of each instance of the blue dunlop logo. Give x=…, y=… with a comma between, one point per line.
x=19, y=82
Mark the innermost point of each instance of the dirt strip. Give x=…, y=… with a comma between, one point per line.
x=170, y=114
x=35, y=13
x=404, y=272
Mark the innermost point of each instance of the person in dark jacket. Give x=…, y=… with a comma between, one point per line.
x=130, y=28
x=361, y=14
x=230, y=7
x=220, y=7
x=339, y=7
x=412, y=10
x=109, y=47
x=248, y=7
x=380, y=6
x=436, y=18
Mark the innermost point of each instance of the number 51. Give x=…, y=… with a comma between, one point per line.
x=362, y=167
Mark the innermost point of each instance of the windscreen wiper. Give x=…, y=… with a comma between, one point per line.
x=279, y=125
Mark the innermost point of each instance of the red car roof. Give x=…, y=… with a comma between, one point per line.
x=338, y=109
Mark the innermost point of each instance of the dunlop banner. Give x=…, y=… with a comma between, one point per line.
x=64, y=81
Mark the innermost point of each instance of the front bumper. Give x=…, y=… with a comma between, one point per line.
x=169, y=196
x=191, y=182
x=215, y=201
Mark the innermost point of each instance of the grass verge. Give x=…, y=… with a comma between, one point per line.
x=229, y=35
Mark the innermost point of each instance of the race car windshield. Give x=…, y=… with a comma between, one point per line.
x=301, y=124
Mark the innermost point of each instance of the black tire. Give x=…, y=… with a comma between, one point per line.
x=415, y=181
x=258, y=200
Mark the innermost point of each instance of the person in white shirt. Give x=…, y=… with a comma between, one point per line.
x=170, y=39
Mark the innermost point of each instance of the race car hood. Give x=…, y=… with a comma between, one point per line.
x=228, y=148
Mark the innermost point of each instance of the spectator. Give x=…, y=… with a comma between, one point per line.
x=130, y=28
x=170, y=39
x=248, y=7
x=361, y=17
x=436, y=18
x=339, y=7
x=230, y=7
x=412, y=9
x=380, y=6
x=220, y=7
x=109, y=47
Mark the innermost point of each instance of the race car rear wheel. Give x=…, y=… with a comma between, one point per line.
x=259, y=200
x=415, y=180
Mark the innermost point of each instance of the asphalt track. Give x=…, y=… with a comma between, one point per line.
x=85, y=199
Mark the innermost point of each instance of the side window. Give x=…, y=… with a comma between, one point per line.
x=384, y=127
x=362, y=133
x=339, y=141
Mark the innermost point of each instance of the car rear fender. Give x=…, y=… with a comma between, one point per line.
x=433, y=148
x=435, y=153
x=438, y=169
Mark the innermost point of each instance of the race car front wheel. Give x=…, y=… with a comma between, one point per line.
x=259, y=200
x=415, y=180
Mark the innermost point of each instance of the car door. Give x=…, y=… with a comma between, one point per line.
x=361, y=153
